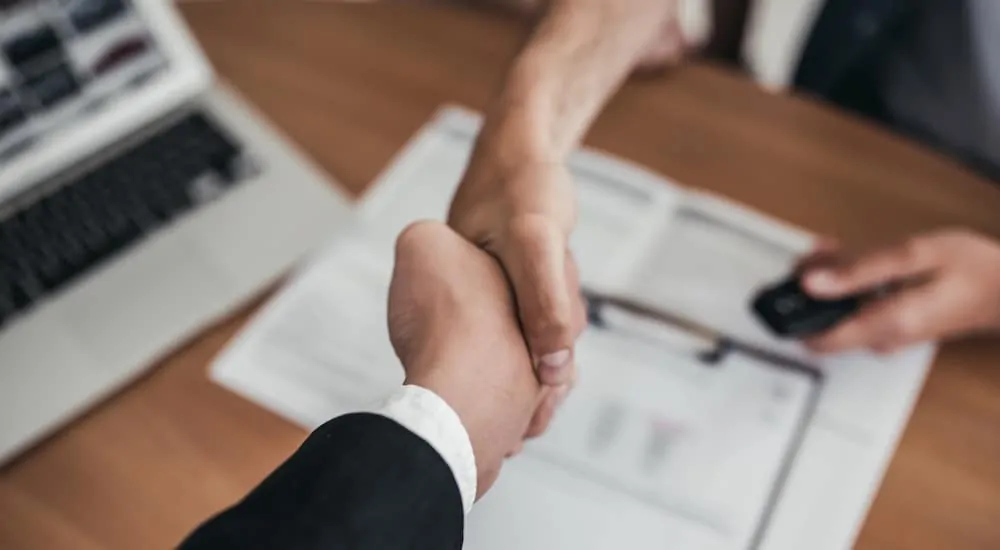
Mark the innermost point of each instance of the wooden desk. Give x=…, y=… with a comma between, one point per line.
x=351, y=84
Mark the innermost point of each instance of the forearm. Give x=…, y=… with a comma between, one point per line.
x=359, y=482
x=577, y=57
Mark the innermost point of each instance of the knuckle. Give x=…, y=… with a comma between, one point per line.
x=531, y=230
x=551, y=330
x=418, y=233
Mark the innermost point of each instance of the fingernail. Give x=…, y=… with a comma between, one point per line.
x=821, y=281
x=556, y=360
x=554, y=369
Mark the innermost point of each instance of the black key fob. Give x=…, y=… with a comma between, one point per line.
x=791, y=313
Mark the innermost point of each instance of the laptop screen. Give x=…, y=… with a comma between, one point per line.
x=69, y=65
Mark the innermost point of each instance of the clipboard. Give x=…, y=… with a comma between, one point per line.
x=710, y=347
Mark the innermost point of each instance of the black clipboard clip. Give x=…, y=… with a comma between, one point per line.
x=714, y=345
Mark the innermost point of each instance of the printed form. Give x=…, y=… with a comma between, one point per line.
x=667, y=442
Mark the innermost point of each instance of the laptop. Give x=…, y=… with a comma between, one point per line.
x=140, y=201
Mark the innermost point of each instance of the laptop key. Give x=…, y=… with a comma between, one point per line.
x=50, y=269
x=31, y=45
x=12, y=116
x=7, y=307
x=54, y=86
x=88, y=15
x=95, y=238
x=226, y=165
x=25, y=286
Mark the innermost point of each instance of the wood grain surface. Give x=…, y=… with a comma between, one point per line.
x=350, y=84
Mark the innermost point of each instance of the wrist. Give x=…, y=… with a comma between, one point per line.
x=474, y=418
x=518, y=127
x=494, y=415
x=513, y=136
x=428, y=416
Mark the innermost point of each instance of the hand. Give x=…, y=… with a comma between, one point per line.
x=516, y=199
x=524, y=220
x=951, y=287
x=453, y=325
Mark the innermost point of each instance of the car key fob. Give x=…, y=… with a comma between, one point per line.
x=791, y=313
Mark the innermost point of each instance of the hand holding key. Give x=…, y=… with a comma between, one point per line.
x=946, y=284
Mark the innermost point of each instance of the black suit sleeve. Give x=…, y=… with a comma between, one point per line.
x=359, y=482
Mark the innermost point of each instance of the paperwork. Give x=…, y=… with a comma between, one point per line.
x=657, y=448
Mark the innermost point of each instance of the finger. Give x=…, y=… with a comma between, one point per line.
x=552, y=398
x=516, y=450
x=576, y=295
x=871, y=271
x=888, y=324
x=579, y=309
x=534, y=257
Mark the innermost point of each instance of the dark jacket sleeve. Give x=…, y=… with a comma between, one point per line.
x=359, y=482
x=844, y=52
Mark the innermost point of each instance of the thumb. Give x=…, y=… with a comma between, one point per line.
x=870, y=272
x=534, y=257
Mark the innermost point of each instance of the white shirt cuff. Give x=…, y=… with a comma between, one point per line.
x=424, y=413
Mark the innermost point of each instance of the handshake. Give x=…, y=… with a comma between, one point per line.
x=485, y=311
x=454, y=326
x=490, y=328
x=388, y=480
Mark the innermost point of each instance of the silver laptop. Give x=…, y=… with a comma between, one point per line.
x=139, y=202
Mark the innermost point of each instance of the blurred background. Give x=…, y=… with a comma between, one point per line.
x=144, y=219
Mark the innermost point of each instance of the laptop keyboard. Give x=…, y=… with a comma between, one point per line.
x=47, y=244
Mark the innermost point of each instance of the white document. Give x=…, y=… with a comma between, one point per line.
x=656, y=448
